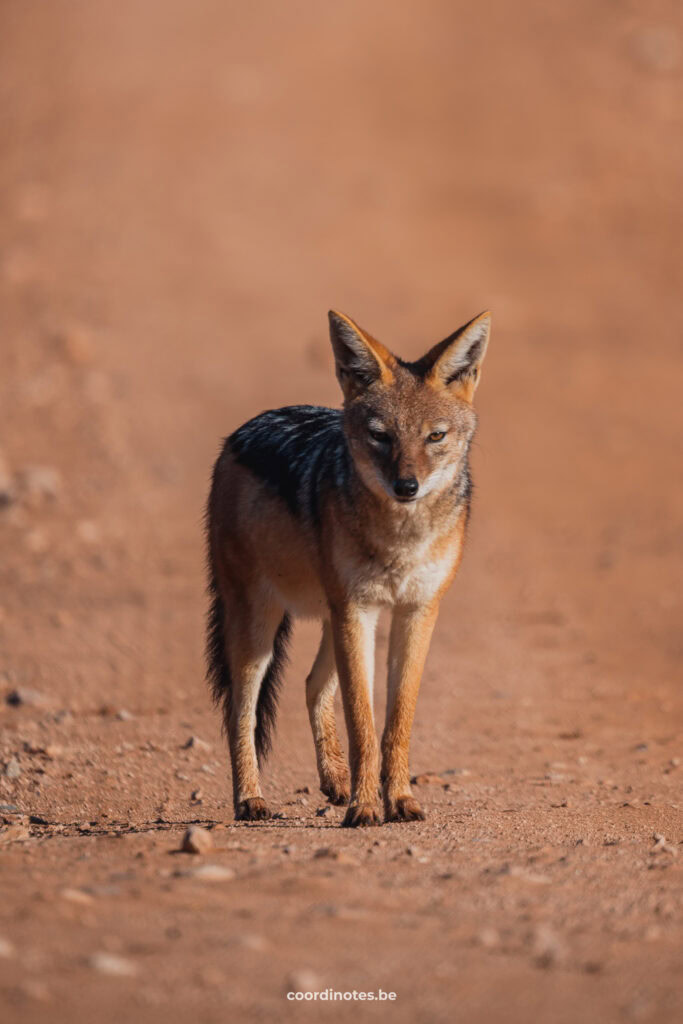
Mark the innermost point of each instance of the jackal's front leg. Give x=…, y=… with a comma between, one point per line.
x=411, y=632
x=321, y=687
x=354, y=645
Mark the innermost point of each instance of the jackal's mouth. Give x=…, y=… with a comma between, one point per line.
x=406, y=501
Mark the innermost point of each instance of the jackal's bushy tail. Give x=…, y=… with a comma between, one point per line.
x=218, y=671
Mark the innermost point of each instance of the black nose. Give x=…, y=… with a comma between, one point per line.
x=406, y=487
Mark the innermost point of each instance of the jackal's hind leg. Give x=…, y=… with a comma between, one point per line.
x=321, y=686
x=250, y=633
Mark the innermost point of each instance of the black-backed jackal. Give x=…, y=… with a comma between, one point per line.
x=336, y=514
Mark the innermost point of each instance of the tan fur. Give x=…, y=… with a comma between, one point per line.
x=368, y=552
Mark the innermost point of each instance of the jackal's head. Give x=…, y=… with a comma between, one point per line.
x=409, y=425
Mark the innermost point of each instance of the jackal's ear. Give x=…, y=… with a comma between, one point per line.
x=456, y=362
x=360, y=360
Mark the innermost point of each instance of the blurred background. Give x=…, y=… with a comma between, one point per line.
x=185, y=189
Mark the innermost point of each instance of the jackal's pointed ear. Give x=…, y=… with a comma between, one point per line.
x=456, y=362
x=360, y=360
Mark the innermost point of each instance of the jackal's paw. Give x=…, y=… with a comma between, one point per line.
x=254, y=808
x=360, y=816
x=337, y=791
x=405, y=808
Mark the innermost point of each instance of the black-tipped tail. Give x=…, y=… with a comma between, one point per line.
x=218, y=672
x=217, y=669
x=266, y=708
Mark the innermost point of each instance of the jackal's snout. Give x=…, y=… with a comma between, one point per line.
x=406, y=488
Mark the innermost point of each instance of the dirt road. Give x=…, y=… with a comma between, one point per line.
x=185, y=190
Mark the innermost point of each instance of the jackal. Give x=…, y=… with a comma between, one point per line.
x=336, y=514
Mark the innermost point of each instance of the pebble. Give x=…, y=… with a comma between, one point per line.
x=427, y=779
x=340, y=856
x=662, y=846
x=303, y=980
x=322, y=812
x=88, y=531
x=76, y=896
x=6, y=948
x=548, y=947
x=257, y=943
x=22, y=696
x=37, y=541
x=489, y=938
x=13, y=769
x=196, y=840
x=41, y=482
x=76, y=344
x=211, y=873
x=194, y=741
x=124, y=716
x=116, y=966
x=14, y=834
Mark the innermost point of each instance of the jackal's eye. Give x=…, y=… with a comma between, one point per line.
x=380, y=436
x=436, y=436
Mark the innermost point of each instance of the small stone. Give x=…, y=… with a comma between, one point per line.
x=212, y=873
x=212, y=977
x=196, y=796
x=124, y=716
x=303, y=789
x=548, y=948
x=427, y=779
x=195, y=742
x=257, y=943
x=14, y=834
x=41, y=482
x=662, y=846
x=116, y=966
x=76, y=896
x=75, y=344
x=303, y=980
x=88, y=531
x=9, y=809
x=323, y=812
x=35, y=989
x=197, y=840
x=488, y=938
x=22, y=696
x=6, y=948
x=13, y=769
x=339, y=856
x=37, y=541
